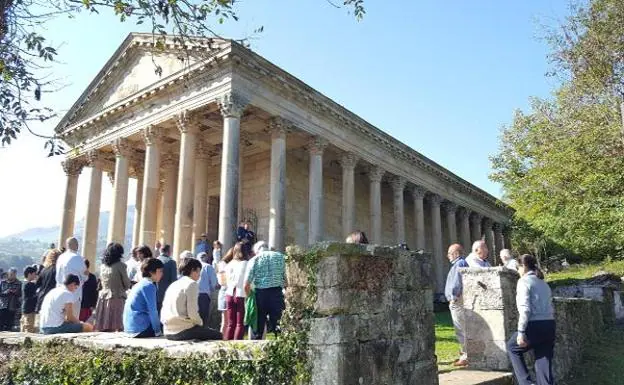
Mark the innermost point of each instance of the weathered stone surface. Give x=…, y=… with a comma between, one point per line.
x=606, y=294
x=374, y=309
x=491, y=319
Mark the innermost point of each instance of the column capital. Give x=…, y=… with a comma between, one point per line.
x=349, y=160
x=375, y=173
x=449, y=206
x=417, y=192
x=476, y=218
x=487, y=223
x=278, y=127
x=184, y=123
x=317, y=145
x=95, y=159
x=152, y=135
x=434, y=199
x=232, y=105
x=73, y=167
x=168, y=160
x=204, y=150
x=398, y=184
x=121, y=147
x=463, y=213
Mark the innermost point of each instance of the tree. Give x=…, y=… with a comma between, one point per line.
x=24, y=53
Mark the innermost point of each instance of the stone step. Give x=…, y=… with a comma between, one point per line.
x=475, y=377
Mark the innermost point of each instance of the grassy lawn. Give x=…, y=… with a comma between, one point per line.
x=576, y=273
x=446, y=346
x=602, y=362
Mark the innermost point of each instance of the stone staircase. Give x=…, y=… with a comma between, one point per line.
x=475, y=377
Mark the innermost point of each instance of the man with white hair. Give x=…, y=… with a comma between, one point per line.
x=266, y=272
x=508, y=260
x=70, y=262
x=478, y=257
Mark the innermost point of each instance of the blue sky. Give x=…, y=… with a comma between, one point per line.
x=441, y=76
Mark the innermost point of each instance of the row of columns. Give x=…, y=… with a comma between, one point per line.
x=178, y=206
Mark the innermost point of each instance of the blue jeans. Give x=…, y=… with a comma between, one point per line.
x=65, y=327
x=270, y=303
x=541, y=339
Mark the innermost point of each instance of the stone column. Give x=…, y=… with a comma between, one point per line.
x=418, y=193
x=437, y=250
x=92, y=218
x=507, y=237
x=450, y=209
x=183, y=229
x=159, y=215
x=315, y=202
x=72, y=168
x=348, y=163
x=202, y=165
x=374, y=175
x=498, y=240
x=151, y=184
x=170, y=170
x=464, y=229
x=138, y=208
x=475, y=226
x=117, y=219
x=277, y=197
x=487, y=234
x=398, y=186
x=232, y=109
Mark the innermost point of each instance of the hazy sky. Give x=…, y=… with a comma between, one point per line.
x=441, y=76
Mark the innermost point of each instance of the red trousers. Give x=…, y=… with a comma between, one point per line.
x=235, y=314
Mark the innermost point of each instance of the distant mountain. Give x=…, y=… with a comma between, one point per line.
x=13, y=244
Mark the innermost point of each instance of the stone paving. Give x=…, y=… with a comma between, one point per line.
x=475, y=377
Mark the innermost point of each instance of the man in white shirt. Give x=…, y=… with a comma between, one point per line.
x=478, y=257
x=70, y=262
x=57, y=313
x=508, y=260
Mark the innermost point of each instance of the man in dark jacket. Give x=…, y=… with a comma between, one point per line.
x=10, y=294
x=89, y=295
x=170, y=274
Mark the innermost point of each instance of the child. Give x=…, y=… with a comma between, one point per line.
x=29, y=300
x=89, y=294
x=216, y=253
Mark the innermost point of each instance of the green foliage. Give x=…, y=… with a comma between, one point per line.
x=577, y=273
x=561, y=163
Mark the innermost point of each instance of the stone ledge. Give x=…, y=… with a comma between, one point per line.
x=243, y=350
x=475, y=377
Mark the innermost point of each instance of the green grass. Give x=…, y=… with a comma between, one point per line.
x=576, y=273
x=602, y=362
x=446, y=346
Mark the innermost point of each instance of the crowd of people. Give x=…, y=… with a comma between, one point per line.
x=150, y=294
x=536, y=325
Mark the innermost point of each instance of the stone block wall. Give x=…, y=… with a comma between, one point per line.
x=491, y=319
x=608, y=296
x=491, y=316
x=374, y=321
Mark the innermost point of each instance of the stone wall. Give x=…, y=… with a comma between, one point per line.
x=608, y=296
x=491, y=318
x=373, y=315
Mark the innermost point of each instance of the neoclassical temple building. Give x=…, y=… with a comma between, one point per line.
x=219, y=134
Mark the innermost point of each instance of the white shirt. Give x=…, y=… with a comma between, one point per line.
x=235, y=273
x=512, y=264
x=71, y=262
x=133, y=268
x=474, y=261
x=180, y=309
x=52, y=313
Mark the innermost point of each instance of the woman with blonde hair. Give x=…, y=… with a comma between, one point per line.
x=47, y=278
x=222, y=279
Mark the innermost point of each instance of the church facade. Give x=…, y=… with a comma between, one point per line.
x=216, y=134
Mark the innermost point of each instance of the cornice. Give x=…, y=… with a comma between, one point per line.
x=311, y=99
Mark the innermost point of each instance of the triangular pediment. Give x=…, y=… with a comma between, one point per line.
x=134, y=67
